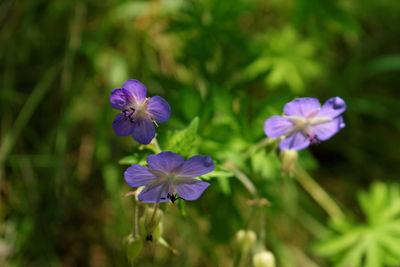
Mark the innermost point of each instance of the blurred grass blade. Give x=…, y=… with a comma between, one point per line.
x=26, y=113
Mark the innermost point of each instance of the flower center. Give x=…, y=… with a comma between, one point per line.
x=303, y=125
x=135, y=111
x=129, y=114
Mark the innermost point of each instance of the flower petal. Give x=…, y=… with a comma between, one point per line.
x=301, y=107
x=137, y=175
x=332, y=108
x=154, y=193
x=196, y=166
x=158, y=109
x=121, y=99
x=122, y=126
x=295, y=141
x=276, y=126
x=324, y=131
x=144, y=130
x=165, y=161
x=137, y=89
x=190, y=189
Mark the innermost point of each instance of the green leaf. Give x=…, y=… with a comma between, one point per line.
x=128, y=160
x=375, y=242
x=286, y=60
x=339, y=243
x=184, y=142
x=222, y=177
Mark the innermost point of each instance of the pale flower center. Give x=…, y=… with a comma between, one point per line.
x=304, y=124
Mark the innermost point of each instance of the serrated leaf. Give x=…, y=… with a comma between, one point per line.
x=378, y=244
x=184, y=142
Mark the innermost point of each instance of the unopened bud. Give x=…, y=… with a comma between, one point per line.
x=244, y=240
x=133, y=247
x=264, y=259
x=158, y=231
x=288, y=159
x=149, y=222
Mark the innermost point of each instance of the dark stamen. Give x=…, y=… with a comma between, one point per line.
x=129, y=114
x=173, y=197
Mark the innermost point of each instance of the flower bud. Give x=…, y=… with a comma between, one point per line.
x=149, y=222
x=158, y=231
x=133, y=247
x=288, y=159
x=244, y=240
x=264, y=259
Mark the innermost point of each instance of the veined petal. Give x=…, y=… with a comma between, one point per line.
x=137, y=89
x=190, y=189
x=332, y=108
x=121, y=99
x=144, y=130
x=122, y=126
x=196, y=166
x=137, y=175
x=276, y=126
x=165, y=161
x=158, y=109
x=301, y=107
x=154, y=193
x=295, y=141
x=324, y=131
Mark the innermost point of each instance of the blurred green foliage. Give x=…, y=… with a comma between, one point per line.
x=224, y=67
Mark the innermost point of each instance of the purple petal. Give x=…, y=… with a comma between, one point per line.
x=121, y=99
x=196, y=166
x=324, y=131
x=301, y=107
x=295, y=141
x=154, y=193
x=276, y=126
x=144, y=131
x=137, y=175
x=137, y=89
x=165, y=161
x=122, y=126
x=332, y=108
x=158, y=109
x=190, y=189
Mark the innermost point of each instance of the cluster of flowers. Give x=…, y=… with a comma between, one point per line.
x=170, y=177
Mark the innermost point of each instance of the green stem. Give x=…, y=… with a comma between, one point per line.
x=136, y=219
x=156, y=145
x=242, y=178
x=318, y=194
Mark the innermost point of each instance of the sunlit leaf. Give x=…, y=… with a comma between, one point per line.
x=374, y=243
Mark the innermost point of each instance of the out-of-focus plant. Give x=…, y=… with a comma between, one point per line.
x=373, y=243
x=286, y=59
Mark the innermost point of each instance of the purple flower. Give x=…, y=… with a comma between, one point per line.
x=137, y=112
x=169, y=177
x=306, y=122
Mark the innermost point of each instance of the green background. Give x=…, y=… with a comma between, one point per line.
x=231, y=64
